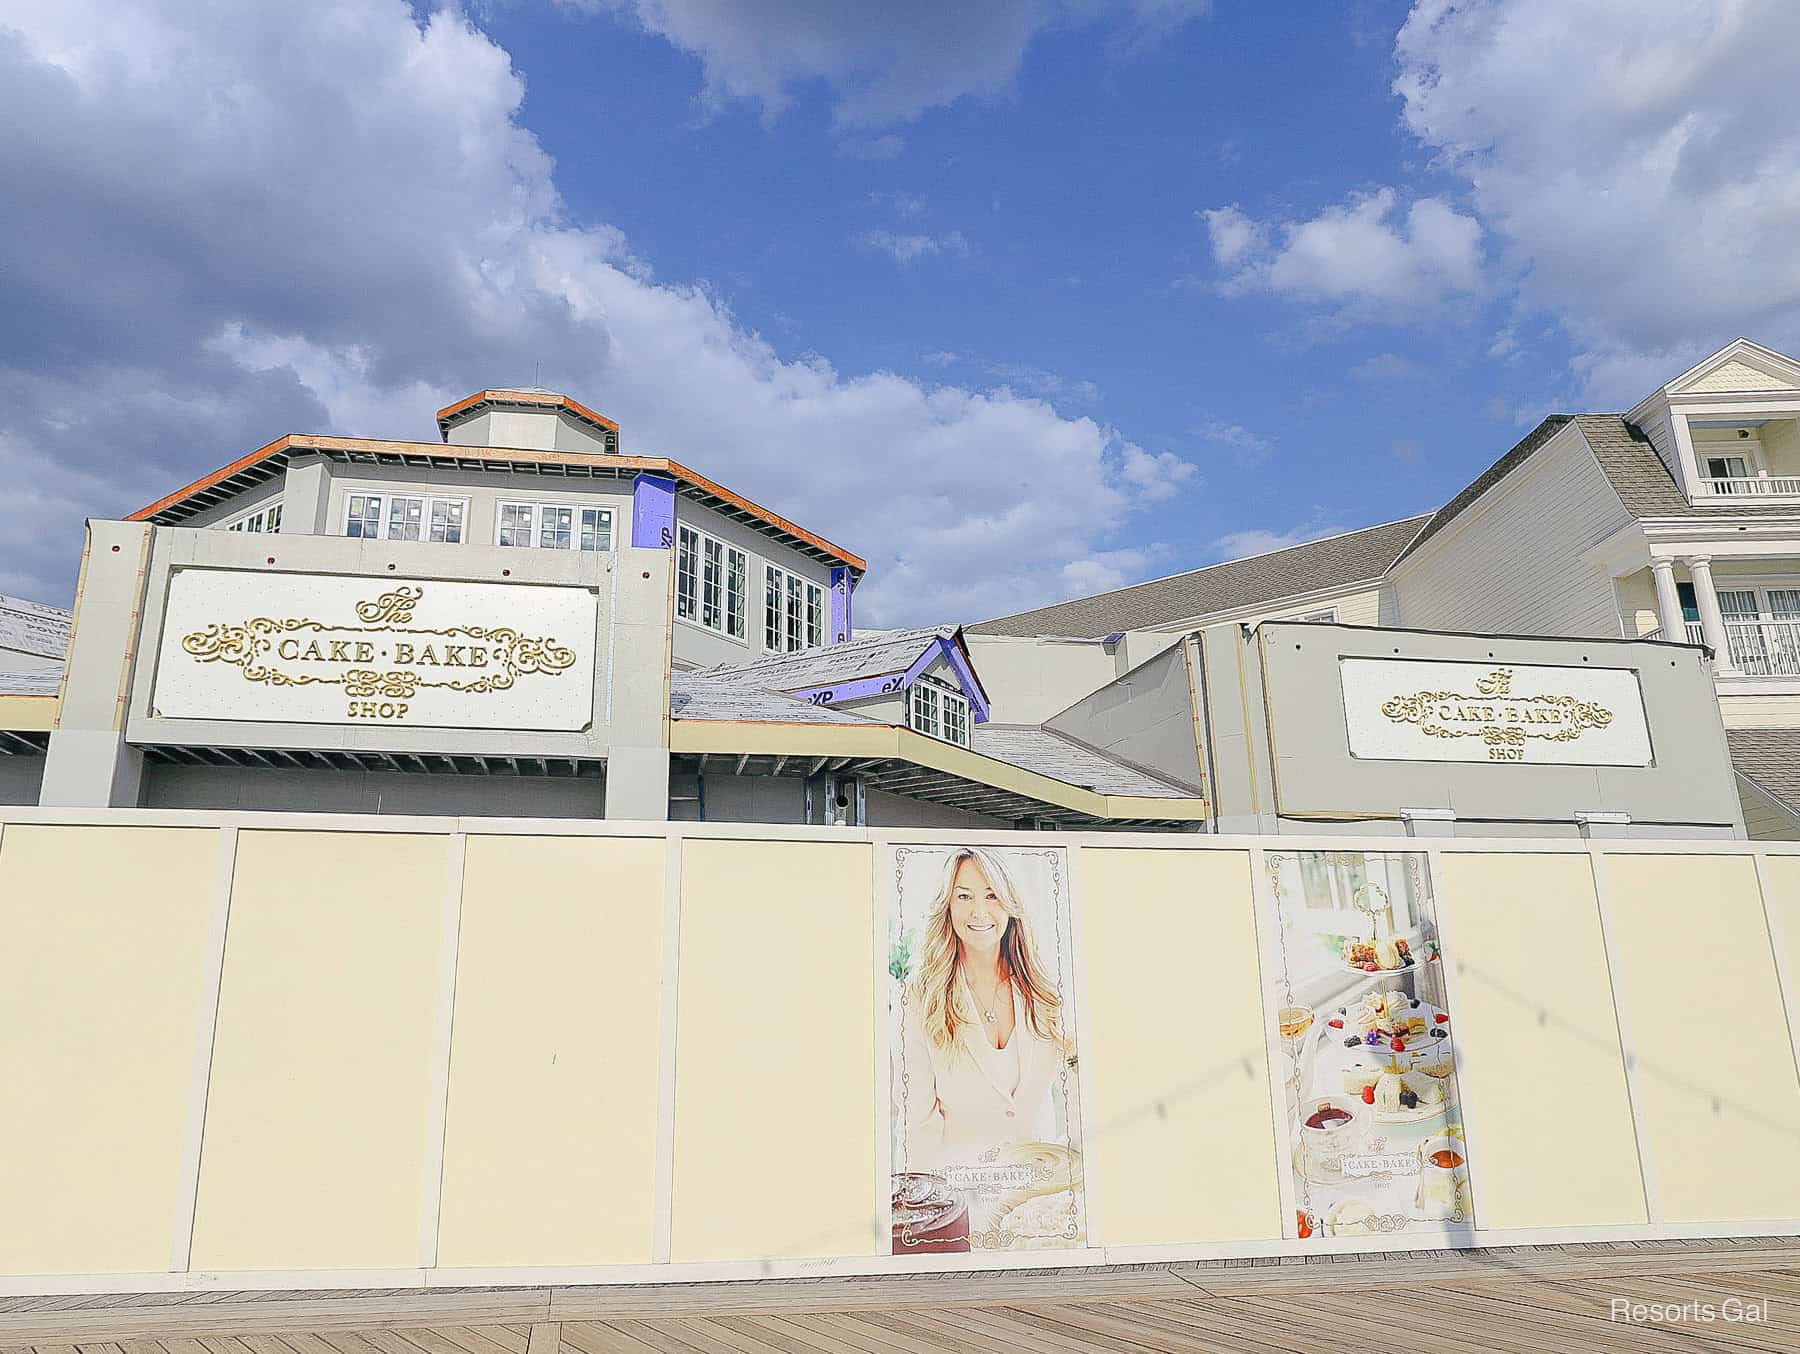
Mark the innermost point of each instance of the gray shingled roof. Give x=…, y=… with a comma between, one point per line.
x=869, y=656
x=1771, y=759
x=33, y=628
x=41, y=682
x=1031, y=748
x=1643, y=482
x=1627, y=459
x=1336, y=561
x=717, y=696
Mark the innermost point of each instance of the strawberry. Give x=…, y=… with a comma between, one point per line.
x=1335, y=1024
x=1441, y=1018
x=1399, y=1044
x=1368, y=1094
x=1371, y=968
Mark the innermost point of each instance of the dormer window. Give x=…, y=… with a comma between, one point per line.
x=938, y=711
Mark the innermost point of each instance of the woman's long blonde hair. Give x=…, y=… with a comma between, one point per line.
x=942, y=1011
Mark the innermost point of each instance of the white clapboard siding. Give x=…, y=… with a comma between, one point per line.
x=1511, y=563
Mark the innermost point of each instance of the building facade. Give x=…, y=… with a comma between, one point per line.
x=522, y=620
x=1677, y=521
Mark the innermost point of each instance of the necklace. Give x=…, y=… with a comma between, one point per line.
x=987, y=1012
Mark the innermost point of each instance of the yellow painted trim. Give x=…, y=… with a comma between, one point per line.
x=28, y=714
x=729, y=737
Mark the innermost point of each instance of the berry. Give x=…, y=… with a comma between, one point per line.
x=1372, y=1038
x=1440, y=1034
x=1371, y=968
x=1415, y=1003
x=1354, y=1041
x=1304, y=1221
x=1409, y=1099
x=1442, y=1019
x=1399, y=1044
x=1335, y=1024
x=1368, y=1094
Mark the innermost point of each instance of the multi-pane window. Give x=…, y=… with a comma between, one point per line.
x=793, y=612
x=263, y=519
x=515, y=524
x=404, y=517
x=936, y=710
x=447, y=520
x=364, y=515
x=554, y=526
x=710, y=583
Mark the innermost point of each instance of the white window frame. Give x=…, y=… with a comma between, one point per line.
x=265, y=517
x=1749, y=450
x=604, y=512
x=385, y=516
x=712, y=583
x=793, y=611
x=938, y=710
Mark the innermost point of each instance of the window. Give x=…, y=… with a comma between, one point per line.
x=554, y=526
x=404, y=517
x=793, y=612
x=938, y=711
x=364, y=517
x=710, y=583
x=1727, y=467
x=447, y=520
x=263, y=519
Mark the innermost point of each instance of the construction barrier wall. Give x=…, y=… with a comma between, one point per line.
x=279, y=1051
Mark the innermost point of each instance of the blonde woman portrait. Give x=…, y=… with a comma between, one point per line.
x=983, y=1027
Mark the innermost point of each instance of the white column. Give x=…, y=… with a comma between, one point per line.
x=1712, y=620
x=1668, y=600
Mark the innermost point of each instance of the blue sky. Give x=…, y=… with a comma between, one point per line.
x=1020, y=300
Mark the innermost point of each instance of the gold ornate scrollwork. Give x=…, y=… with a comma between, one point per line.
x=391, y=608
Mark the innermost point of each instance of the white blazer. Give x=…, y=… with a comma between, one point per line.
x=955, y=1111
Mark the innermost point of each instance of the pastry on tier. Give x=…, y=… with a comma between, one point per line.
x=928, y=1216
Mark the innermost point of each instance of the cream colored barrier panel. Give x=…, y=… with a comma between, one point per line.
x=102, y=950
x=1538, y=1063
x=1782, y=905
x=1715, y=1072
x=550, y=1149
x=1173, y=1048
x=775, y=1053
x=317, y=1119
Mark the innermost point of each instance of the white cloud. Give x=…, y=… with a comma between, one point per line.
x=1247, y=446
x=901, y=203
x=1366, y=254
x=329, y=218
x=886, y=63
x=1389, y=369
x=907, y=248
x=1037, y=381
x=1157, y=476
x=1238, y=544
x=1638, y=159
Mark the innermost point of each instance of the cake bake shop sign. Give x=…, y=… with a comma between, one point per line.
x=1425, y=711
x=327, y=649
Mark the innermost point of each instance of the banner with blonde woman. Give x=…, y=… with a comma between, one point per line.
x=986, y=1119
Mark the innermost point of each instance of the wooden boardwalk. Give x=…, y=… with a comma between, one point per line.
x=1522, y=1300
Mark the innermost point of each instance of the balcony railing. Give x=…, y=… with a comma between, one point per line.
x=1758, y=648
x=1751, y=486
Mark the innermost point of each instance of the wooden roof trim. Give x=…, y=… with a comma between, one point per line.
x=546, y=400
x=243, y=463
x=442, y=451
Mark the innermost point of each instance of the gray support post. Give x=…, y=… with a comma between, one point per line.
x=90, y=765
